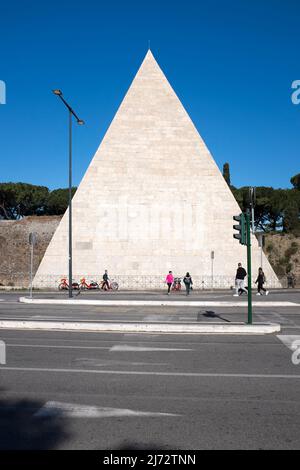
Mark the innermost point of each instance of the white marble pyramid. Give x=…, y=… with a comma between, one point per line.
x=151, y=200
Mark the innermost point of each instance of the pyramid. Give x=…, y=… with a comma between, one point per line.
x=151, y=200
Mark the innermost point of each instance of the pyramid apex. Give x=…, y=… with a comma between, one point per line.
x=149, y=55
x=149, y=65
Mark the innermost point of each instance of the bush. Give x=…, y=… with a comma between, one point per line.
x=283, y=261
x=279, y=270
x=292, y=250
x=289, y=268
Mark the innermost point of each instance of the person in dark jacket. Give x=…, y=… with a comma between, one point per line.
x=239, y=280
x=260, y=282
x=188, y=282
x=105, y=284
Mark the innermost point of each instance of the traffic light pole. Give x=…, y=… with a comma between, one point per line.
x=244, y=237
x=249, y=268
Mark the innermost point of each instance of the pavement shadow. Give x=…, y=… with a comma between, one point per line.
x=21, y=430
x=210, y=314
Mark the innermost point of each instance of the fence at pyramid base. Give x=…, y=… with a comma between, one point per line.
x=149, y=282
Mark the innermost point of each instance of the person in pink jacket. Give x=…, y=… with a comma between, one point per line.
x=169, y=281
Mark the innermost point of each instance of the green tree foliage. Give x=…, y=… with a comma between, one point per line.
x=275, y=209
x=20, y=199
x=226, y=173
x=295, y=180
x=58, y=201
x=291, y=221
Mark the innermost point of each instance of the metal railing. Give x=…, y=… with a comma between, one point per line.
x=131, y=282
x=148, y=282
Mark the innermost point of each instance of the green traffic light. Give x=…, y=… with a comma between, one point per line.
x=241, y=228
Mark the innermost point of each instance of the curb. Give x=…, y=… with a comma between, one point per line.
x=154, y=303
x=133, y=327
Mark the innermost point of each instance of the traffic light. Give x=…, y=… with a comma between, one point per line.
x=241, y=228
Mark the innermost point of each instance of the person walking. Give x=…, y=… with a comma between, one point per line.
x=291, y=279
x=260, y=282
x=239, y=280
x=105, y=281
x=169, y=281
x=188, y=282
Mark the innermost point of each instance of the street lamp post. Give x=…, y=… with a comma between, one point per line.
x=252, y=197
x=80, y=122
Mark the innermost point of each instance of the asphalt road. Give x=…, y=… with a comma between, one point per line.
x=11, y=308
x=63, y=390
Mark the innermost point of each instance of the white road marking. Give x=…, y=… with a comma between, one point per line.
x=2, y=352
x=71, y=410
x=145, y=335
x=168, y=374
x=125, y=347
x=55, y=346
x=158, y=317
x=289, y=340
x=113, y=363
x=64, y=318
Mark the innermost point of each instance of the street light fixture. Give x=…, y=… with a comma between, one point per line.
x=58, y=93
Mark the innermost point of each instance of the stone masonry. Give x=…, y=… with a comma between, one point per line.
x=152, y=198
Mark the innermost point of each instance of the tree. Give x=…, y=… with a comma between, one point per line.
x=291, y=221
x=226, y=173
x=20, y=199
x=58, y=201
x=295, y=180
x=271, y=205
x=7, y=201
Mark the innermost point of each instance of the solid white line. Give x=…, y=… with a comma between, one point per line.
x=126, y=347
x=169, y=374
x=72, y=410
x=54, y=347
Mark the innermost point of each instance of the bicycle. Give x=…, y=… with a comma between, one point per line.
x=112, y=285
x=85, y=286
x=176, y=284
x=65, y=286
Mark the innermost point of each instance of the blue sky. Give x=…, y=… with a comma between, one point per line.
x=230, y=62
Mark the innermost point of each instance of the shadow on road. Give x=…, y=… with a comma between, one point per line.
x=211, y=314
x=20, y=429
